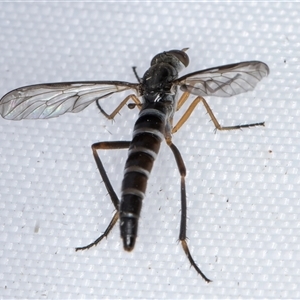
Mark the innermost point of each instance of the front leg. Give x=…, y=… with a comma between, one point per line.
x=119, y=107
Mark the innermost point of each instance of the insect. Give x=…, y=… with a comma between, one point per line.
x=156, y=96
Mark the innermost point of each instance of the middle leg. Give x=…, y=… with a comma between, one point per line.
x=193, y=105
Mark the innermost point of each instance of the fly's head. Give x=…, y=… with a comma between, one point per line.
x=176, y=58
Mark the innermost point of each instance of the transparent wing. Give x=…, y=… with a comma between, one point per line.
x=224, y=81
x=43, y=101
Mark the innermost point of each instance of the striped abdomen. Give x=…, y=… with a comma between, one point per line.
x=147, y=137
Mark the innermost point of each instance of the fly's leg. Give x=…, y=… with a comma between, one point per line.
x=182, y=100
x=112, y=223
x=193, y=105
x=114, y=198
x=119, y=107
x=182, y=232
x=188, y=112
x=219, y=127
x=139, y=79
x=136, y=100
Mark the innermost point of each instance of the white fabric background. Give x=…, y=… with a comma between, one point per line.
x=243, y=186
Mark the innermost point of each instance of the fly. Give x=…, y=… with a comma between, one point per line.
x=156, y=96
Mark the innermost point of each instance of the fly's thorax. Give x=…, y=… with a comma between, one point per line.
x=157, y=81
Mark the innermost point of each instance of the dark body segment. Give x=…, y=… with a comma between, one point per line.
x=148, y=134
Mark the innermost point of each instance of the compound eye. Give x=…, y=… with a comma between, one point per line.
x=157, y=58
x=166, y=57
x=181, y=56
